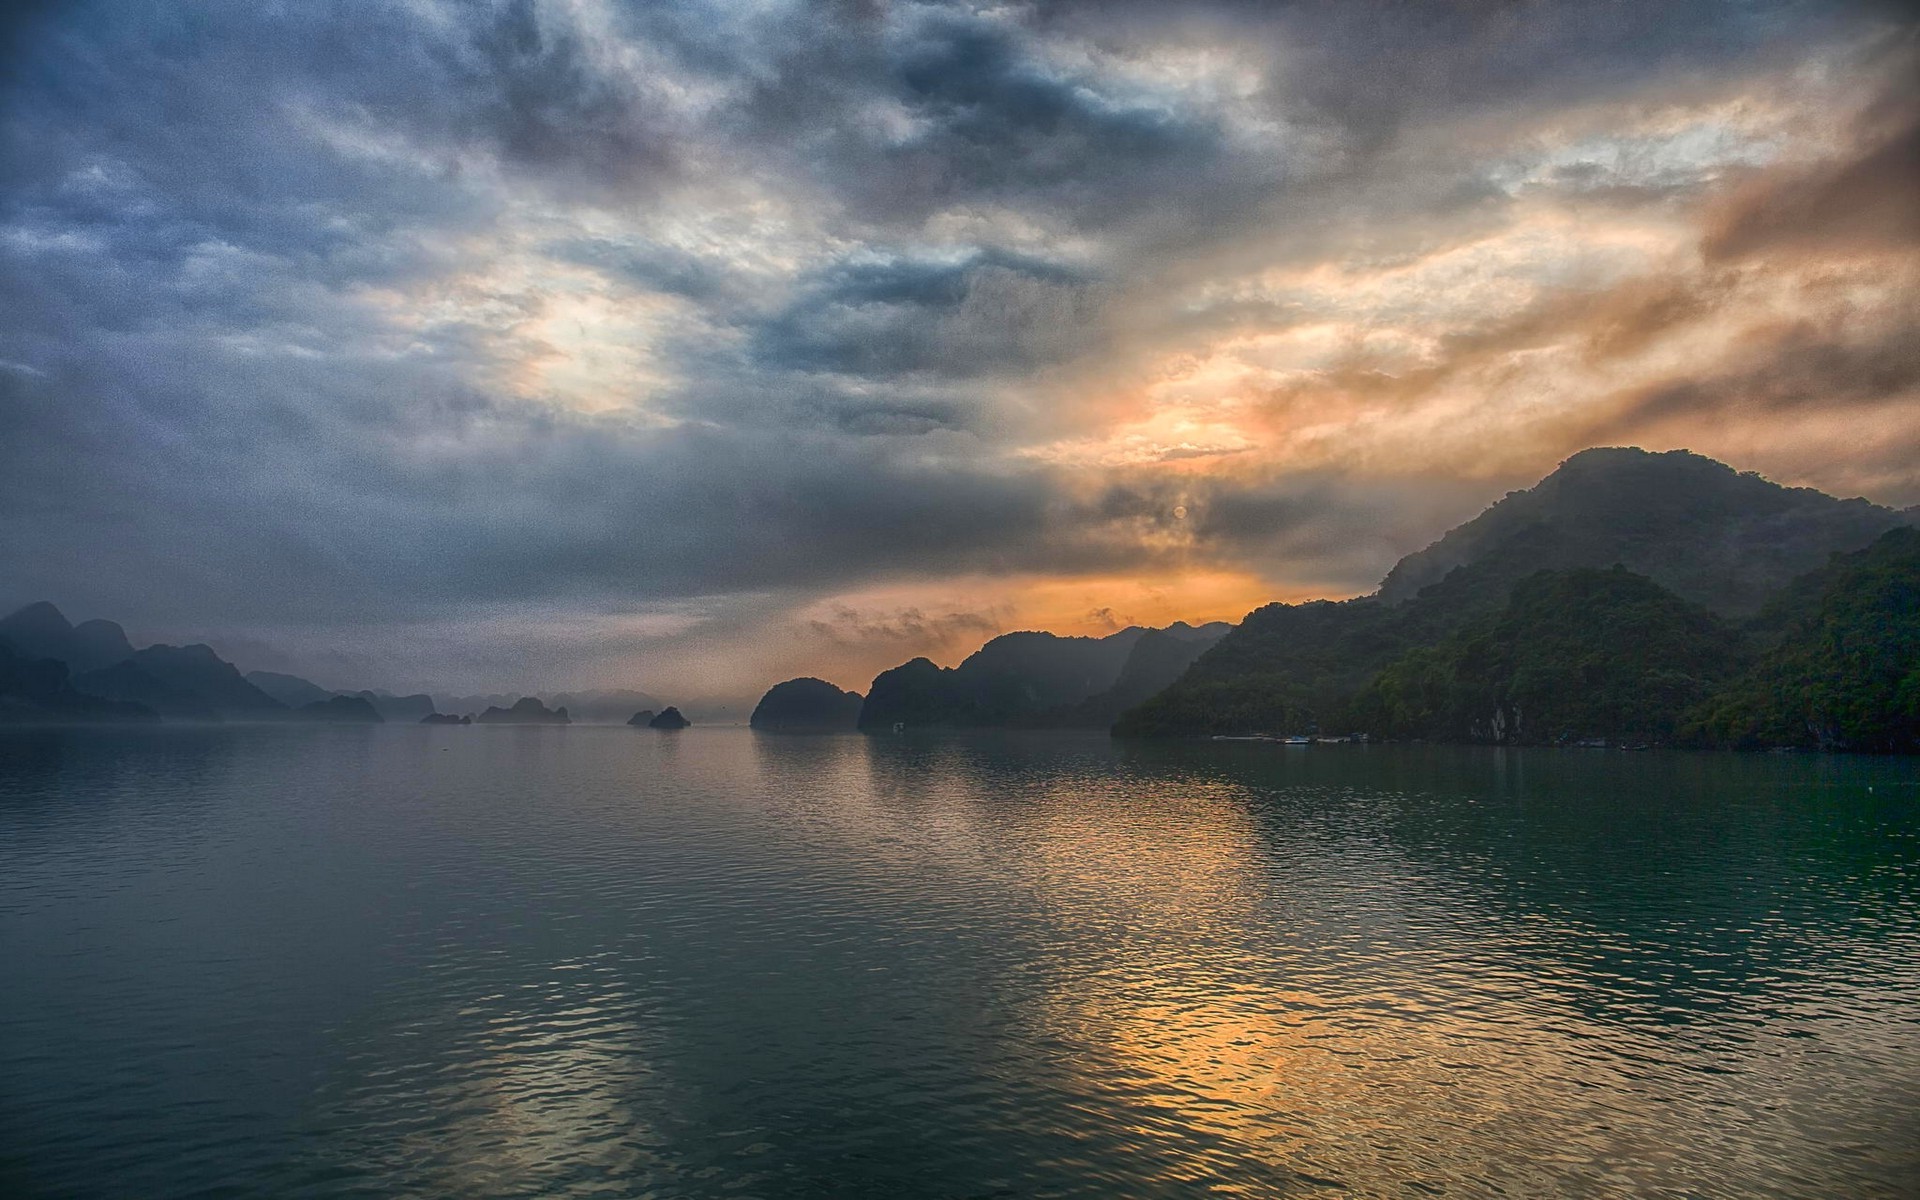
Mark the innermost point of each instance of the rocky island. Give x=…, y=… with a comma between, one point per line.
x=525, y=711
x=806, y=706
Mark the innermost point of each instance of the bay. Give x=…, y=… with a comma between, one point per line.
x=585, y=961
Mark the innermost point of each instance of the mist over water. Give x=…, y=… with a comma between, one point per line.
x=600, y=961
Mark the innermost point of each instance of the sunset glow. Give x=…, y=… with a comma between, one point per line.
x=555, y=324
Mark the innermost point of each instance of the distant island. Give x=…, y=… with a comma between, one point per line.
x=806, y=706
x=1629, y=598
x=669, y=718
x=526, y=711
x=53, y=671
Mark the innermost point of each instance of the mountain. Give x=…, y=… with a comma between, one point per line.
x=347, y=709
x=398, y=708
x=128, y=683
x=806, y=706
x=1840, y=667
x=37, y=691
x=1576, y=656
x=525, y=711
x=1721, y=539
x=1017, y=678
x=183, y=681
x=642, y=718
x=669, y=718
x=435, y=718
x=290, y=690
x=1157, y=659
x=41, y=630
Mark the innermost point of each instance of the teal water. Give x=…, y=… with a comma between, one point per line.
x=485, y=962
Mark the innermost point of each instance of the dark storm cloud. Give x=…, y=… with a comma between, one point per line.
x=989, y=313
x=900, y=111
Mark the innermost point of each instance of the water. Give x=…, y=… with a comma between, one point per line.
x=608, y=962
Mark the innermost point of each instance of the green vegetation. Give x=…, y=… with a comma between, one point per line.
x=1586, y=655
x=1576, y=655
x=1033, y=679
x=1722, y=538
x=1843, y=667
x=1600, y=605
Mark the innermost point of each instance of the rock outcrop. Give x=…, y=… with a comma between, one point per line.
x=806, y=706
x=526, y=711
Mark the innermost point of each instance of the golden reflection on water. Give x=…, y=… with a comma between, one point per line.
x=539, y=1086
x=1432, y=1071
x=603, y=961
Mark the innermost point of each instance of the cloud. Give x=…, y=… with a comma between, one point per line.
x=1861, y=205
x=497, y=338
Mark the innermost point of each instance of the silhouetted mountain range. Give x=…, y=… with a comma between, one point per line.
x=1493, y=633
x=290, y=690
x=36, y=689
x=1722, y=538
x=97, y=661
x=1034, y=679
x=345, y=709
x=100, y=676
x=42, y=631
x=1628, y=597
x=525, y=711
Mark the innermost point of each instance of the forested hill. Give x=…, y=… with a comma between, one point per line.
x=1705, y=546
x=1722, y=538
x=1036, y=679
x=1839, y=662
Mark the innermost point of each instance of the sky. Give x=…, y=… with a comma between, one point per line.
x=567, y=343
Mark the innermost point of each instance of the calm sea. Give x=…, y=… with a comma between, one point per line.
x=543, y=962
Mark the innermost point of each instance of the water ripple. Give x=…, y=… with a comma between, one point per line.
x=606, y=962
